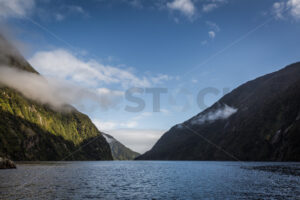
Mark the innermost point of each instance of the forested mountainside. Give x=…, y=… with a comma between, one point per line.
x=30, y=130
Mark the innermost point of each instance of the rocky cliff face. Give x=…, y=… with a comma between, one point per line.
x=120, y=151
x=33, y=131
x=260, y=120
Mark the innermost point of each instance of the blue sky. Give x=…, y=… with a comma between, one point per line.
x=185, y=46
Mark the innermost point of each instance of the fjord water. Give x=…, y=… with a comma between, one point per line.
x=149, y=180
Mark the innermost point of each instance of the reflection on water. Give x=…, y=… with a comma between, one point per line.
x=150, y=180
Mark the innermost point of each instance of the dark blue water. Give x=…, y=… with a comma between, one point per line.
x=149, y=180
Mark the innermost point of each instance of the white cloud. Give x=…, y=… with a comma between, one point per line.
x=164, y=111
x=106, y=91
x=111, y=125
x=294, y=6
x=56, y=93
x=31, y=85
x=102, y=125
x=61, y=63
x=131, y=123
x=278, y=8
x=213, y=26
x=212, y=34
x=161, y=78
x=70, y=10
x=64, y=65
x=140, y=140
x=16, y=8
x=186, y=7
x=59, y=17
x=209, y=7
x=212, y=5
x=282, y=8
x=221, y=113
x=109, y=97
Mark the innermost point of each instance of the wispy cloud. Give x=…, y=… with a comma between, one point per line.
x=212, y=33
x=212, y=5
x=209, y=7
x=214, y=29
x=59, y=17
x=107, y=126
x=160, y=78
x=194, y=81
x=278, y=8
x=16, y=8
x=213, y=26
x=130, y=123
x=25, y=8
x=70, y=10
x=76, y=9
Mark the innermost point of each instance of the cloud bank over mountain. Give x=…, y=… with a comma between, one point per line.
x=55, y=92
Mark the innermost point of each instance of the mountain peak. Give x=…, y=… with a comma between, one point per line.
x=256, y=121
x=11, y=57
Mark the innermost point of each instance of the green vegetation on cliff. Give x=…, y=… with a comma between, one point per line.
x=32, y=131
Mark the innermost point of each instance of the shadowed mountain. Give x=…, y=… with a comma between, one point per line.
x=118, y=150
x=30, y=130
x=259, y=120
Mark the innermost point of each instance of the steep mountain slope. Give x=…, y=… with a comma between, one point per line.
x=259, y=120
x=118, y=150
x=32, y=131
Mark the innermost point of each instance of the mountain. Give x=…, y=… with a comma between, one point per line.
x=258, y=121
x=118, y=150
x=30, y=130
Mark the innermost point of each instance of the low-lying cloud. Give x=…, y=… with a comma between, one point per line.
x=54, y=92
x=221, y=113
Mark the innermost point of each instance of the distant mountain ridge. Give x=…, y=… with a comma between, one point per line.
x=33, y=131
x=265, y=124
x=120, y=151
